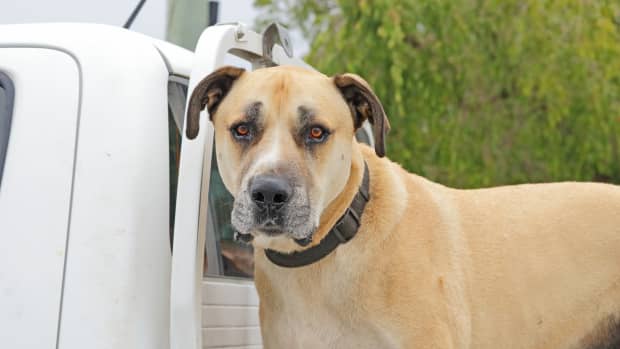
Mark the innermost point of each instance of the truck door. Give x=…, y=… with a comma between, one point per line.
x=38, y=106
x=216, y=306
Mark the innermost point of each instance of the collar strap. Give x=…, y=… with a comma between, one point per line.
x=343, y=231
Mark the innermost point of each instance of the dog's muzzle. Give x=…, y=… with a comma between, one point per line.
x=274, y=206
x=270, y=194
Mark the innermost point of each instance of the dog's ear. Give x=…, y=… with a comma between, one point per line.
x=209, y=93
x=364, y=105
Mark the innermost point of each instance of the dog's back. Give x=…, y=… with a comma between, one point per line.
x=545, y=262
x=528, y=266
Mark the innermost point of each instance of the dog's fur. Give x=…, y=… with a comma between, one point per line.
x=524, y=266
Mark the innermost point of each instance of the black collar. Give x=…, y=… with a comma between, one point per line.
x=343, y=231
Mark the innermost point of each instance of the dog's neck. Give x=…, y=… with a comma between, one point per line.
x=332, y=213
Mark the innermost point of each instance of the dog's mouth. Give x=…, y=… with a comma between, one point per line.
x=270, y=228
x=272, y=231
x=282, y=228
x=275, y=231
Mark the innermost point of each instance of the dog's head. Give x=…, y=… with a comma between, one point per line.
x=284, y=140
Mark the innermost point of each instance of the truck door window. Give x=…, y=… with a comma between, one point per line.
x=232, y=258
x=6, y=111
x=225, y=257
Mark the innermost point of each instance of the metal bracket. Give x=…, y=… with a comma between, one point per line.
x=240, y=33
x=274, y=34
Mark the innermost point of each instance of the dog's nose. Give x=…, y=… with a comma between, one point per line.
x=270, y=191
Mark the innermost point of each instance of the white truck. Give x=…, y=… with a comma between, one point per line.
x=107, y=210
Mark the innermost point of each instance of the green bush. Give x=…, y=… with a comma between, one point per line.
x=480, y=93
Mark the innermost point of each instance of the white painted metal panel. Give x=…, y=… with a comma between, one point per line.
x=229, y=314
x=116, y=292
x=228, y=291
x=231, y=336
x=178, y=59
x=35, y=193
x=117, y=278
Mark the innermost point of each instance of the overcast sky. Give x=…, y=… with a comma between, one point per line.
x=150, y=21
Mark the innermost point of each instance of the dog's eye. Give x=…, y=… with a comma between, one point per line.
x=317, y=134
x=241, y=131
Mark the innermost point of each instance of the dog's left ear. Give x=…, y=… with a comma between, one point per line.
x=209, y=92
x=364, y=105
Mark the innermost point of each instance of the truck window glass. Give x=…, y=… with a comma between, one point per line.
x=233, y=258
x=177, y=91
x=6, y=112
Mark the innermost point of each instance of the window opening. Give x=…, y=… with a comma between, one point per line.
x=233, y=258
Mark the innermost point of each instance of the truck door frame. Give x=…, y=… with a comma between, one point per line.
x=214, y=45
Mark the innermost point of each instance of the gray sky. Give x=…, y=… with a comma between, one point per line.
x=150, y=21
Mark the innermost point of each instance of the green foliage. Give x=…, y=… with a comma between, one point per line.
x=478, y=92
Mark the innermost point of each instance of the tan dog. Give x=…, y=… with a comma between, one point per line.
x=526, y=266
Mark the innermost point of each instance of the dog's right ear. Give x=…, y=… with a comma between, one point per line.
x=364, y=105
x=209, y=93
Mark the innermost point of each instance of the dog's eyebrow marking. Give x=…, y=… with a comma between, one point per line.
x=306, y=114
x=252, y=111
